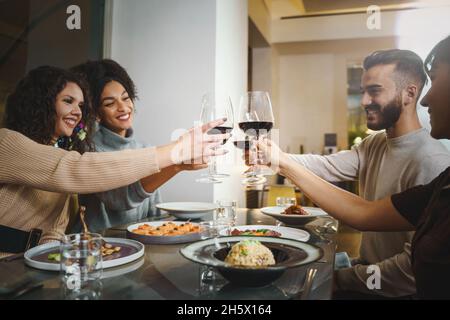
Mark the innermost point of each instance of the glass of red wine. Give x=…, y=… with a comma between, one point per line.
x=256, y=119
x=215, y=108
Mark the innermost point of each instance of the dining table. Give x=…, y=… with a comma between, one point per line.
x=164, y=274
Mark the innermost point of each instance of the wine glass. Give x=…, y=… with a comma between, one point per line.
x=256, y=120
x=215, y=108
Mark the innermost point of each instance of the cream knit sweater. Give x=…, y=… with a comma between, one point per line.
x=36, y=181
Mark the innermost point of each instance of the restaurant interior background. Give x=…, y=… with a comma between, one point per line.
x=306, y=53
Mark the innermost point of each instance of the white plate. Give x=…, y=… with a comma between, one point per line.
x=191, y=237
x=121, y=270
x=294, y=219
x=44, y=249
x=286, y=232
x=187, y=210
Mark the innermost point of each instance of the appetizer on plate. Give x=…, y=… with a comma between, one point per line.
x=296, y=209
x=250, y=253
x=107, y=250
x=256, y=232
x=167, y=229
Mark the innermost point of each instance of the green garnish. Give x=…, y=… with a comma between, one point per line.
x=54, y=256
x=244, y=252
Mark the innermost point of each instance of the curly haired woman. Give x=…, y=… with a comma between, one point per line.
x=37, y=179
x=113, y=95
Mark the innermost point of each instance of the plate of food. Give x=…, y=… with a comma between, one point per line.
x=251, y=261
x=187, y=210
x=115, y=252
x=268, y=231
x=165, y=232
x=294, y=215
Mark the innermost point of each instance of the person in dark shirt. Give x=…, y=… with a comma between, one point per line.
x=425, y=208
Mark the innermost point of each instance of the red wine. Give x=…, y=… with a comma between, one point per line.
x=220, y=130
x=242, y=144
x=252, y=128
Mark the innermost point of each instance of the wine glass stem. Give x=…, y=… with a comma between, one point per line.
x=254, y=154
x=212, y=166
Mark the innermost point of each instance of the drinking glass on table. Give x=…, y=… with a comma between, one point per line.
x=212, y=229
x=256, y=119
x=80, y=260
x=215, y=108
x=226, y=212
x=285, y=202
x=91, y=290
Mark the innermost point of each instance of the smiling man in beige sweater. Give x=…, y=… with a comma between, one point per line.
x=385, y=163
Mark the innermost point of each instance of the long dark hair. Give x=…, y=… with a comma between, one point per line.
x=99, y=73
x=30, y=109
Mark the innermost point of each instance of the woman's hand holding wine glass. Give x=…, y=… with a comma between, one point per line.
x=212, y=108
x=196, y=146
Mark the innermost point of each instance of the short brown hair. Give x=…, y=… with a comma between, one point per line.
x=407, y=65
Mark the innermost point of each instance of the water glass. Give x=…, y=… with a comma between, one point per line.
x=285, y=201
x=226, y=212
x=91, y=290
x=214, y=229
x=81, y=260
x=211, y=230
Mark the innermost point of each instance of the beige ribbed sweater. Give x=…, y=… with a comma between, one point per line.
x=36, y=181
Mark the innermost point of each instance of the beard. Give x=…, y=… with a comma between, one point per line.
x=387, y=115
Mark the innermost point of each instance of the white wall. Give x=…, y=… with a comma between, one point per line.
x=306, y=92
x=168, y=47
x=422, y=37
x=353, y=26
x=231, y=79
x=175, y=51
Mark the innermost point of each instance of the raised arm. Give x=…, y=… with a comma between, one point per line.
x=361, y=214
x=25, y=162
x=132, y=196
x=341, y=166
x=153, y=182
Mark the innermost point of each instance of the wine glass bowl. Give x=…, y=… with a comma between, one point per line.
x=256, y=119
x=216, y=107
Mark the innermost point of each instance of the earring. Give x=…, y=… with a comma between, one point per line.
x=80, y=131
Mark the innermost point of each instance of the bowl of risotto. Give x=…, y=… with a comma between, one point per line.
x=251, y=262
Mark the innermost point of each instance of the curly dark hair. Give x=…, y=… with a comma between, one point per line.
x=99, y=73
x=30, y=108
